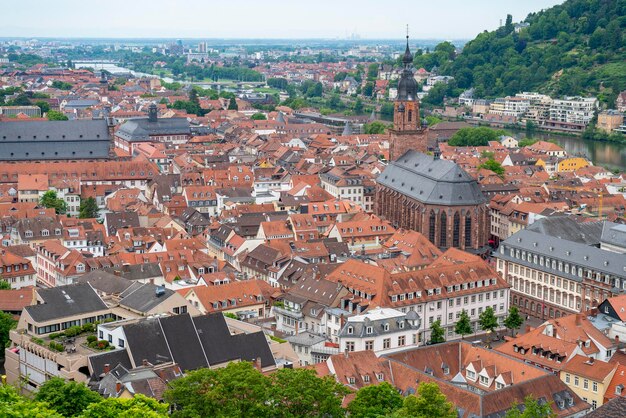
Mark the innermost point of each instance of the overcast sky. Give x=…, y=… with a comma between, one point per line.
x=446, y=19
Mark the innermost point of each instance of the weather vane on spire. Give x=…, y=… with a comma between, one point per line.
x=407, y=31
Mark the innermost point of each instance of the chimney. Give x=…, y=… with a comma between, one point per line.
x=579, y=319
x=345, y=353
x=118, y=387
x=107, y=368
x=257, y=364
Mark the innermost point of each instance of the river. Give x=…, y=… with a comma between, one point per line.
x=611, y=155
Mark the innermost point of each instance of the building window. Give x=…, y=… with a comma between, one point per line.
x=431, y=227
x=468, y=229
x=443, y=230
x=401, y=340
x=594, y=386
x=456, y=230
x=386, y=343
x=350, y=345
x=369, y=345
x=120, y=342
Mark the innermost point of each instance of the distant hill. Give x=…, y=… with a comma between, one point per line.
x=570, y=49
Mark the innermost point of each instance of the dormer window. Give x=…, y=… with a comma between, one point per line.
x=350, y=330
x=45, y=233
x=618, y=389
x=380, y=377
x=385, y=327
x=28, y=234
x=369, y=330
x=351, y=380
x=366, y=378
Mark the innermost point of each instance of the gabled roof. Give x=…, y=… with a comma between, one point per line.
x=64, y=301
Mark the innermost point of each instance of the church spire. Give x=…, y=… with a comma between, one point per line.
x=408, y=57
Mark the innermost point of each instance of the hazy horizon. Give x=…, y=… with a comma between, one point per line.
x=272, y=19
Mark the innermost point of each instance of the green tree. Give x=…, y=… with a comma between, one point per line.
x=429, y=403
x=513, y=320
x=4, y=285
x=375, y=401
x=88, y=208
x=368, y=90
x=7, y=323
x=55, y=115
x=532, y=409
x=50, y=200
x=193, y=97
x=69, y=399
x=61, y=85
x=463, y=326
x=375, y=127
x=44, y=106
x=494, y=166
x=258, y=116
x=237, y=390
x=301, y=393
x=526, y=142
x=474, y=137
x=372, y=71
x=358, y=106
x=139, y=406
x=488, y=321
x=232, y=104
x=437, y=333
x=14, y=405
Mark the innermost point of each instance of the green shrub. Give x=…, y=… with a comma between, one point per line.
x=91, y=339
x=88, y=328
x=55, y=335
x=73, y=331
x=56, y=346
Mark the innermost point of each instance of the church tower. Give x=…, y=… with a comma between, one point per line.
x=407, y=132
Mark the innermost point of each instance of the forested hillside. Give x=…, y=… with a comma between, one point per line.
x=574, y=48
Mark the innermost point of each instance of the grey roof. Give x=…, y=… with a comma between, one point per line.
x=573, y=253
x=141, y=271
x=221, y=347
x=143, y=298
x=112, y=358
x=614, y=234
x=305, y=338
x=359, y=328
x=567, y=228
x=54, y=140
x=184, y=342
x=433, y=181
x=81, y=103
x=146, y=341
x=140, y=129
x=64, y=301
x=104, y=282
x=119, y=220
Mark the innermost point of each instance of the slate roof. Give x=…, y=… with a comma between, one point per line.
x=143, y=298
x=574, y=253
x=104, y=282
x=146, y=341
x=64, y=301
x=614, y=234
x=46, y=140
x=184, y=342
x=193, y=342
x=112, y=358
x=140, y=129
x=431, y=181
x=567, y=228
